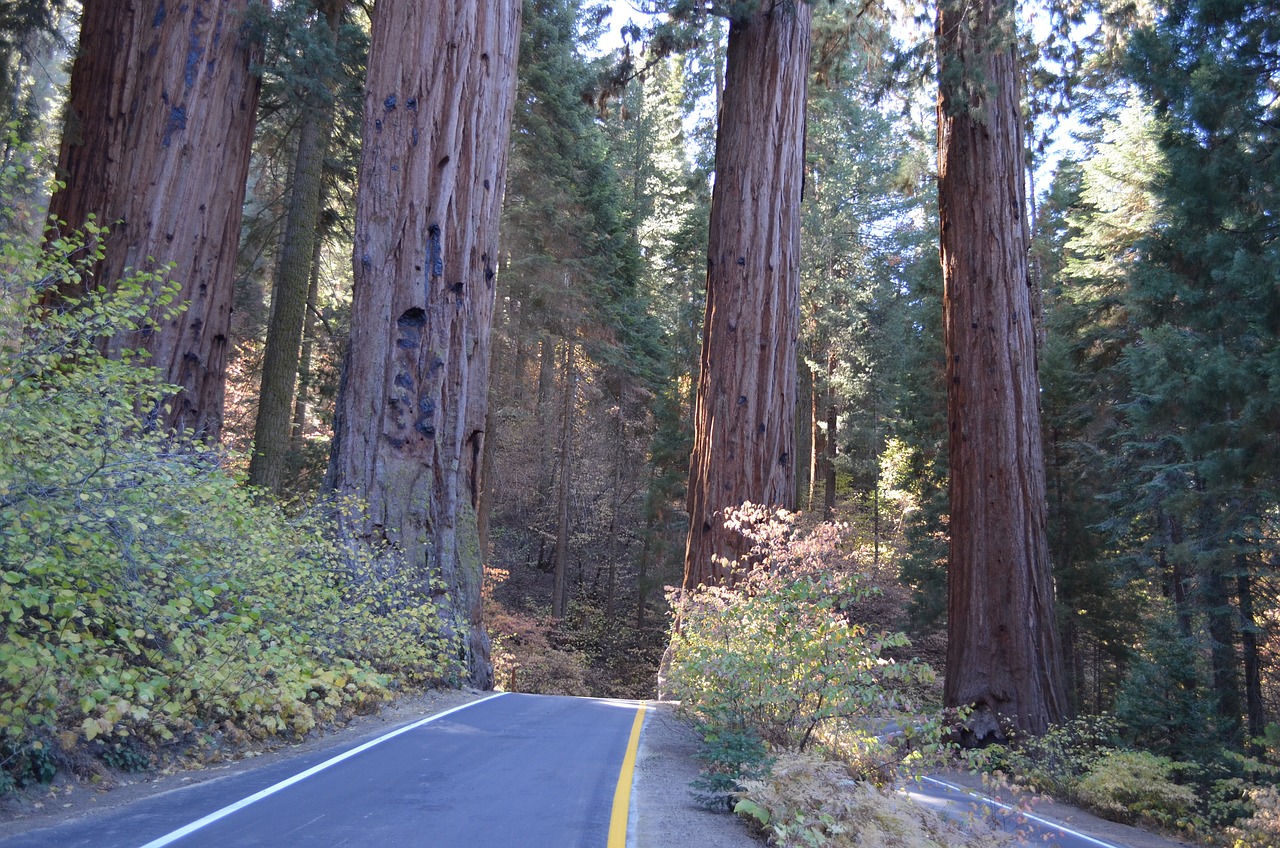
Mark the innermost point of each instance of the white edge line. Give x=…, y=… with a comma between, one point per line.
x=1022, y=813
x=169, y=838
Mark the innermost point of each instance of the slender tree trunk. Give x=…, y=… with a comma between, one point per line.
x=545, y=411
x=293, y=279
x=611, y=585
x=829, y=458
x=409, y=431
x=1255, y=708
x=1222, y=650
x=560, y=593
x=1003, y=656
x=804, y=433
x=156, y=145
x=878, y=451
x=817, y=440
x=744, y=424
x=642, y=577
x=302, y=404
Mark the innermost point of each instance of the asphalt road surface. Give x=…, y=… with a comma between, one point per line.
x=513, y=771
x=954, y=801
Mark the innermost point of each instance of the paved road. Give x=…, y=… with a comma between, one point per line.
x=952, y=800
x=513, y=771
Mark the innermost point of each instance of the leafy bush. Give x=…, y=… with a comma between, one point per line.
x=1056, y=761
x=149, y=598
x=777, y=654
x=1262, y=828
x=1133, y=785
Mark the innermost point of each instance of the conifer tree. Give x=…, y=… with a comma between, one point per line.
x=1204, y=411
x=314, y=38
x=744, y=425
x=1003, y=656
x=411, y=420
x=157, y=147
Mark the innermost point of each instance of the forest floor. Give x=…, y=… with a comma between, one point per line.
x=663, y=811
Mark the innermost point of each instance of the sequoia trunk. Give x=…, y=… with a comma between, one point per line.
x=1002, y=653
x=411, y=429
x=157, y=145
x=744, y=438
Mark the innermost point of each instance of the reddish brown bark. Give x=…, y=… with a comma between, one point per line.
x=1003, y=657
x=744, y=444
x=410, y=428
x=157, y=146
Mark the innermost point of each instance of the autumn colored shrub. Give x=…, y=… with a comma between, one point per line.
x=778, y=654
x=1261, y=829
x=149, y=599
x=523, y=654
x=807, y=802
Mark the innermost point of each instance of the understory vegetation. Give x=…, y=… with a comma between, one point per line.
x=814, y=716
x=811, y=717
x=152, y=605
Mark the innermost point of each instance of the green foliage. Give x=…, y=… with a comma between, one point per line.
x=150, y=599
x=1136, y=785
x=732, y=756
x=1056, y=761
x=777, y=653
x=1162, y=701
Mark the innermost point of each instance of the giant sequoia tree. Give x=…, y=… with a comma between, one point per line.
x=744, y=443
x=157, y=146
x=410, y=426
x=1002, y=650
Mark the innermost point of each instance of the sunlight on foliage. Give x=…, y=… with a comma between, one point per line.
x=150, y=600
x=779, y=659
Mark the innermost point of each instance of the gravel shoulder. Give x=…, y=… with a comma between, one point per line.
x=663, y=813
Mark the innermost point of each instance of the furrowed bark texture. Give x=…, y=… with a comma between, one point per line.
x=411, y=413
x=1002, y=653
x=744, y=447
x=157, y=145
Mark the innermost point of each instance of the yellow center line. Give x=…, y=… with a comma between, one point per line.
x=622, y=795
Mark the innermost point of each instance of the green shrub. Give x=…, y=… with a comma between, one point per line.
x=148, y=597
x=731, y=757
x=777, y=654
x=1133, y=785
x=1162, y=703
x=1055, y=761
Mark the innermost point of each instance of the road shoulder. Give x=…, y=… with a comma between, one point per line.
x=663, y=813
x=1064, y=814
